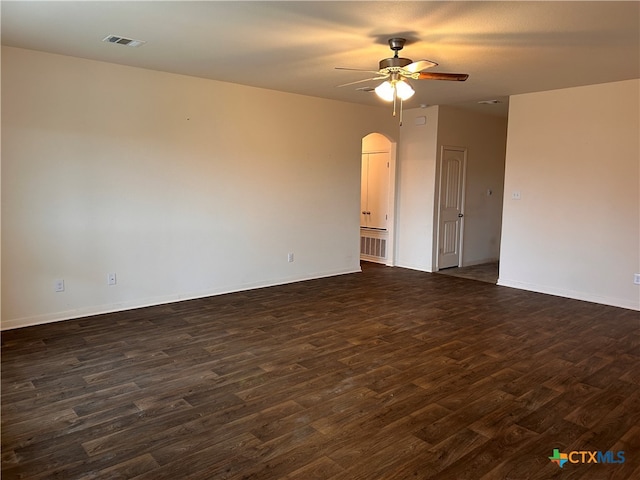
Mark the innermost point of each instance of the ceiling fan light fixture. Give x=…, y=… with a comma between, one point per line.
x=405, y=91
x=396, y=70
x=388, y=89
x=385, y=91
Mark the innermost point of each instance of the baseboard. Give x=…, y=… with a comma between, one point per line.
x=603, y=300
x=419, y=268
x=154, y=301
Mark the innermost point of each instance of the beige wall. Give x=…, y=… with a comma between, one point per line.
x=375, y=142
x=417, y=155
x=187, y=187
x=574, y=155
x=183, y=187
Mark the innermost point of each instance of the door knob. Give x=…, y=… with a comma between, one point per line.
x=460, y=215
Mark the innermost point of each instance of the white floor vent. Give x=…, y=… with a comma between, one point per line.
x=373, y=246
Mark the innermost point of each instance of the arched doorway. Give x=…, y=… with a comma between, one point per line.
x=377, y=199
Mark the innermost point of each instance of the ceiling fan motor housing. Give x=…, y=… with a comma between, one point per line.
x=395, y=62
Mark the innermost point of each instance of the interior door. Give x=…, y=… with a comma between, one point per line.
x=378, y=198
x=364, y=189
x=450, y=223
x=374, y=191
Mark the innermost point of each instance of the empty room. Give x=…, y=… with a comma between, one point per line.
x=335, y=240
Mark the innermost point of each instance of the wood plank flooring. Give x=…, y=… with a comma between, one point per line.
x=485, y=272
x=385, y=374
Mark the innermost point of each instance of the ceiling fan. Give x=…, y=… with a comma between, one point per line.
x=396, y=70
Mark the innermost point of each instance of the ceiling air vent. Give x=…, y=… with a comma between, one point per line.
x=129, y=42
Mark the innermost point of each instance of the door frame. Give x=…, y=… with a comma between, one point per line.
x=436, y=252
x=391, y=223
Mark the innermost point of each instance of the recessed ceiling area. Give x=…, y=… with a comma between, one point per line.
x=506, y=48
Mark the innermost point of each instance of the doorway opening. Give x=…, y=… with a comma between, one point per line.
x=377, y=199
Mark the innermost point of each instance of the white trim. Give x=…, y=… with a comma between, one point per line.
x=154, y=301
x=391, y=221
x=417, y=268
x=559, y=292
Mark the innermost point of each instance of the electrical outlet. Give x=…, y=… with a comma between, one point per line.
x=636, y=278
x=111, y=279
x=290, y=257
x=516, y=195
x=58, y=285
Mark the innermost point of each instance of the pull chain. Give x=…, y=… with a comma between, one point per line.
x=395, y=96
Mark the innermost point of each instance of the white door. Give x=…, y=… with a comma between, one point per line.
x=364, y=189
x=374, y=192
x=378, y=200
x=452, y=170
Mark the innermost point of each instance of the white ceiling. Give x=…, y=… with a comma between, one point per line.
x=506, y=47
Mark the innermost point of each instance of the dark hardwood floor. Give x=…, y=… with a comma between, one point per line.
x=485, y=272
x=385, y=374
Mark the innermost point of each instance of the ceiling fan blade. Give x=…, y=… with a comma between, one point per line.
x=365, y=80
x=460, y=77
x=420, y=65
x=357, y=70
